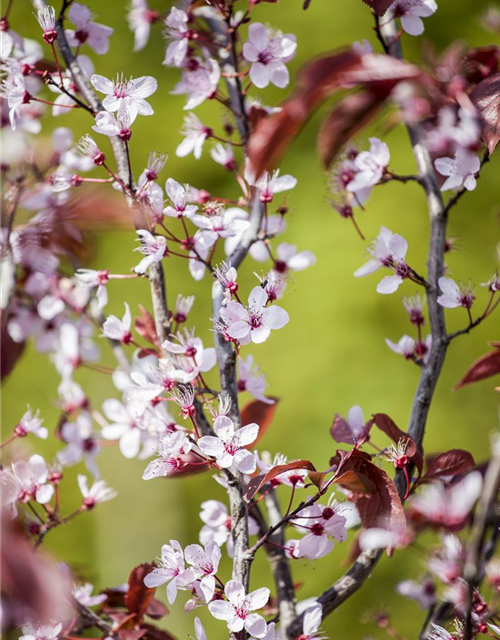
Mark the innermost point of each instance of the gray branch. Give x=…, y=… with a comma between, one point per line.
x=356, y=576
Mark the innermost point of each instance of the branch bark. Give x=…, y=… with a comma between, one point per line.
x=355, y=577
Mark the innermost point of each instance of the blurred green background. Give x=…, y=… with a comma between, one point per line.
x=331, y=355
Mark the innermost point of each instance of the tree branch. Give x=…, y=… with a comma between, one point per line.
x=355, y=577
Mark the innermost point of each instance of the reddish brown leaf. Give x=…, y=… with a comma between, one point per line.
x=485, y=367
x=138, y=596
x=356, y=482
x=486, y=98
x=145, y=326
x=156, y=609
x=481, y=62
x=449, y=463
x=349, y=116
x=9, y=353
x=153, y=633
x=260, y=413
x=390, y=428
x=258, y=482
x=379, y=6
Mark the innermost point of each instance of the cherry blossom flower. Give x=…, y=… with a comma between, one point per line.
x=351, y=430
x=454, y=296
x=252, y=380
x=86, y=31
x=369, y=166
x=13, y=88
x=83, y=593
x=183, y=306
x=289, y=259
x=177, y=31
x=460, y=170
x=195, y=133
x=455, y=129
x=27, y=480
x=171, y=450
x=224, y=156
x=323, y=524
x=205, y=563
x=199, y=630
x=123, y=93
x=63, y=101
x=171, y=569
x=423, y=591
x=192, y=347
x=109, y=125
x=89, y=148
x=140, y=17
x=199, y=81
x=179, y=199
x=270, y=184
x=404, y=347
x=98, y=279
x=414, y=308
x=255, y=322
x=117, y=329
x=389, y=250
x=447, y=563
x=411, y=13
x=153, y=247
x=96, y=494
x=448, y=506
x=31, y=423
x=237, y=612
x=227, y=447
x=268, y=52
x=41, y=632
x=313, y=616
x=123, y=427
x=217, y=524
x=439, y=633
x=81, y=443
x=46, y=17
x=378, y=538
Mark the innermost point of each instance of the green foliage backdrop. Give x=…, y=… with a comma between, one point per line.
x=332, y=354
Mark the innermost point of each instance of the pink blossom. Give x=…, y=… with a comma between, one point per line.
x=253, y=323
x=83, y=593
x=351, y=430
x=153, y=247
x=447, y=563
x=227, y=447
x=13, y=88
x=31, y=423
x=404, y=347
x=454, y=296
x=460, y=170
x=195, y=133
x=217, y=524
x=109, y=125
x=378, y=538
x=63, y=101
x=171, y=569
x=123, y=427
x=227, y=276
x=81, y=443
x=179, y=199
x=199, y=81
x=95, y=279
x=122, y=93
x=423, y=592
x=199, y=630
x=41, y=632
x=86, y=31
x=411, y=13
x=177, y=31
x=270, y=184
x=27, y=480
x=140, y=17
x=224, y=156
x=268, y=52
x=388, y=250
x=252, y=380
x=439, y=633
x=237, y=611
x=369, y=166
x=289, y=259
x=117, y=329
x=183, y=306
x=448, y=506
x=205, y=563
x=46, y=17
x=171, y=450
x=323, y=524
x=96, y=494
x=455, y=129
x=313, y=616
x=192, y=347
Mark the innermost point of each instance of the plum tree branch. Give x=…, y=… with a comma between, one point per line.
x=357, y=574
x=156, y=272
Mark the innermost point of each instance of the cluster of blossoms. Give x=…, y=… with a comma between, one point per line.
x=164, y=375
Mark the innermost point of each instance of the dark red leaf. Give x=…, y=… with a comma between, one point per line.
x=390, y=428
x=260, y=413
x=138, y=596
x=379, y=6
x=486, y=98
x=356, y=482
x=485, y=367
x=9, y=353
x=449, y=463
x=156, y=609
x=481, y=62
x=131, y=634
x=258, y=482
x=153, y=633
x=145, y=326
x=349, y=116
